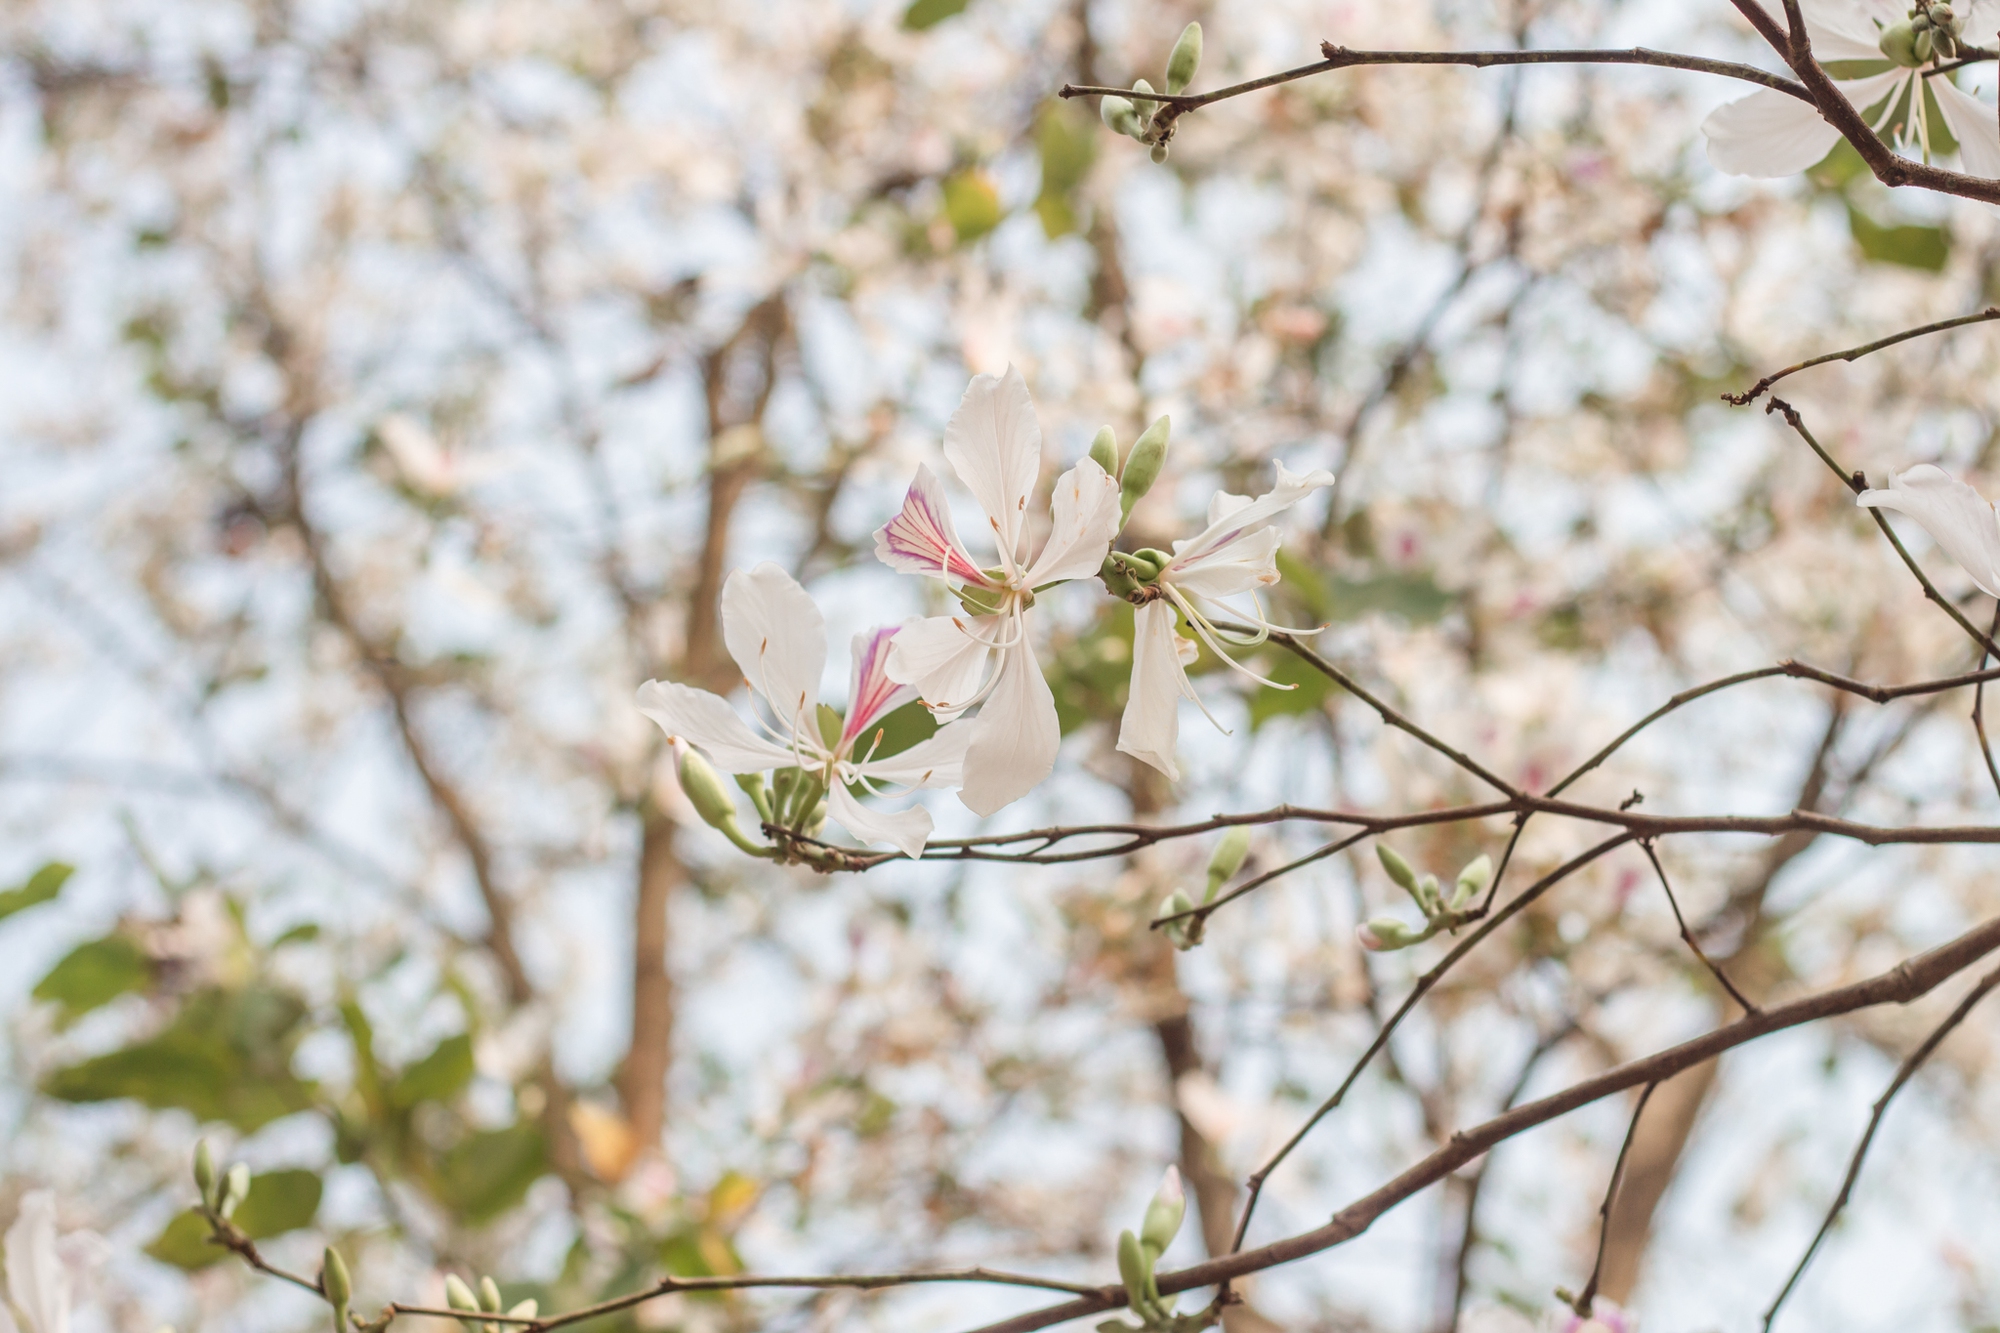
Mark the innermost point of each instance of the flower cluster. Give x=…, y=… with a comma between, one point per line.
x=822, y=763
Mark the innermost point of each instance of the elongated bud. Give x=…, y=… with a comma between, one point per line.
x=1472, y=881
x=489, y=1295
x=1227, y=858
x=1135, y=565
x=204, y=1173
x=1140, y=102
x=1104, y=450
x=1898, y=42
x=1159, y=154
x=1143, y=464
x=1428, y=896
x=1185, y=933
x=1924, y=45
x=334, y=1281
x=1385, y=934
x=1117, y=577
x=1119, y=114
x=1137, y=1271
x=704, y=788
x=1185, y=60
x=1399, y=869
x=527, y=1309
x=235, y=1186
x=760, y=796
x=459, y=1296
x=1164, y=1213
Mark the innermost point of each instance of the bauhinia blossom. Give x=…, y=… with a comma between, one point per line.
x=986, y=655
x=1959, y=519
x=1770, y=133
x=1236, y=553
x=778, y=638
x=41, y=1267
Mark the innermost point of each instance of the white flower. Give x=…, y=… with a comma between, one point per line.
x=1959, y=519
x=1770, y=133
x=778, y=637
x=987, y=656
x=1232, y=555
x=42, y=1266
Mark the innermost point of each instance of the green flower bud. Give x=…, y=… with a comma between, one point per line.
x=1142, y=103
x=1185, y=60
x=1898, y=42
x=1399, y=869
x=1137, y=1271
x=1185, y=933
x=1119, y=114
x=1117, y=578
x=457, y=1295
x=1159, y=154
x=334, y=1281
x=1135, y=566
x=489, y=1295
x=1142, y=465
x=527, y=1309
x=1104, y=450
x=704, y=789
x=1923, y=45
x=235, y=1186
x=1472, y=881
x=753, y=787
x=1385, y=934
x=1229, y=853
x=1164, y=1214
x=1428, y=896
x=204, y=1173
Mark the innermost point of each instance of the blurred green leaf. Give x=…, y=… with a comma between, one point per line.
x=486, y=1173
x=438, y=1077
x=929, y=13
x=971, y=204
x=277, y=1202
x=94, y=974
x=38, y=888
x=1308, y=697
x=226, y=1056
x=1407, y=595
x=1091, y=674
x=299, y=934
x=901, y=728
x=1067, y=142
x=1916, y=247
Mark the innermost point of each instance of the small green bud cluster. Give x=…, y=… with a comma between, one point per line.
x=1228, y=857
x=1125, y=572
x=460, y=1296
x=1931, y=30
x=1441, y=911
x=711, y=799
x=1138, y=115
x=221, y=1194
x=1139, y=1253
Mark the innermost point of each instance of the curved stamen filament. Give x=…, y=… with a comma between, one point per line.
x=1209, y=635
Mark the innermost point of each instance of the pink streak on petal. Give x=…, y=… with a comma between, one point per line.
x=873, y=695
x=919, y=533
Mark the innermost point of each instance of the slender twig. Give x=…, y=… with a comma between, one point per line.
x=1907, y=981
x=1979, y=707
x=1687, y=936
x=1588, y=1296
x=1909, y=1067
x=1757, y=390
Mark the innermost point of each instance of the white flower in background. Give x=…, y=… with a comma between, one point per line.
x=778, y=638
x=1236, y=553
x=986, y=655
x=1770, y=133
x=42, y=1267
x=1959, y=519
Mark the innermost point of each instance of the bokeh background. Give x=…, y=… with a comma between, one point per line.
x=386, y=387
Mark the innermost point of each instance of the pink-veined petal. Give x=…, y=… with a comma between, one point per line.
x=921, y=538
x=1973, y=124
x=994, y=444
x=905, y=830
x=708, y=723
x=1151, y=727
x=36, y=1278
x=1767, y=134
x=944, y=657
x=1248, y=562
x=1086, y=513
x=1017, y=736
x=1959, y=519
x=872, y=695
x=936, y=761
x=1232, y=518
x=777, y=635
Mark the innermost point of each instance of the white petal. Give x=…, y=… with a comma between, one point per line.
x=1086, y=517
x=1981, y=22
x=921, y=538
x=7, y=1324
x=936, y=761
x=906, y=830
x=1017, y=736
x=1767, y=134
x=945, y=657
x=1959, y=519
x=872, y=695
x=994, y=444
x=1249, y=562
x=708, y=722
x=777, y=636
x=1151, y=726
x=1233, y=521
x=1973, y=124
x=36, y=1278
x=1841, y=31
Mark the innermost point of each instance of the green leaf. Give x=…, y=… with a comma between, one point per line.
x=901, y=728
x=830, y=723
x=486, y=1173
x=1407, y=595
x=1309, y=697
x=929, y=13
x=1916, y=247
x=1068, y=144
x=37, y=889
x=184, y=1243
x=226, y=1056
x=94, y=974
x=438, y=1077
x=971, y=204
x=277, y=1202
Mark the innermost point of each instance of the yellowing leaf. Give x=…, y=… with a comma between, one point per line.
x=971, y=204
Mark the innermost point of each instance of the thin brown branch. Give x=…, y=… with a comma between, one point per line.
x=1909, y=1067
x=1687, y=937
x=1757, y=390
x=1979, y=707
x=1588, y=1296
